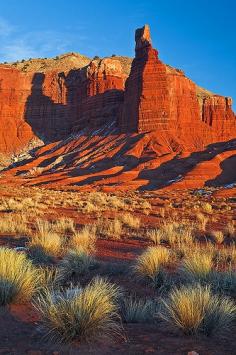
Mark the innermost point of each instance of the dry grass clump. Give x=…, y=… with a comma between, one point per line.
x=14, y=224
x=155, y=235
x=207, y=207
x=138, y=310
x=195, y=309
x=43, y=226
x=197, y=267
x=49, y=243
x=84, y=314
x=84, y=240
x=225, y=282
x=202, y=220
x=100, y=201
x=75, y=264
x=10, y=205
x=18, y=204
x=87, y=207
x=227, y=255
x=175, y=233
x=111, y=229
x=218, y=236
x=150, y=262
x=64, y=225
x=230, y=230
x=19, y=279
x=130, y=221
x=116, y=203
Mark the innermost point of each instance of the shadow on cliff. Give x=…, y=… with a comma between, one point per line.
x=51, y=121
x=228, y=174
x=174, y=170
x=46, y=118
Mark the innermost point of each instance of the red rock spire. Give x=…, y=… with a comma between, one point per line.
x=143, y=37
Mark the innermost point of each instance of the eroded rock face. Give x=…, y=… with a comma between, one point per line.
x=158, y=97
x=14, y=90
x=52, y=104
x=101, y=93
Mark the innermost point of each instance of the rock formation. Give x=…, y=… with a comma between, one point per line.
x=51, y=104
x=158, y=97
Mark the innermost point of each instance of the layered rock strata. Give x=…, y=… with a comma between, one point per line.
x=158, y=97
x=52, y=104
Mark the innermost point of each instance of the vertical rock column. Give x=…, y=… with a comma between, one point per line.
x=146, y=104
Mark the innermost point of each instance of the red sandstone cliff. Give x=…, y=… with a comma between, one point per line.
x=51, y=104
x=161, y=98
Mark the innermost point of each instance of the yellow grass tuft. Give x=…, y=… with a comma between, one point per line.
x=196, y=309
x=149, y=263
x=84, y=240
x=19, y=279
x=130, y=221
x=82, y=314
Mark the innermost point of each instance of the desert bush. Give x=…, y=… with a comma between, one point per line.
x=84, y=240
x=225, y=282
x=64, y=225
x=207, y=207
x=177, y=233
x=227, y=254
x=27, y=204
x=19, y=279
x=14, y=223
x=163, y=281
x=75, y=264
x=150, y=262
x=196, y=309
x=230, y=229
x=202, y=220
x=130, y=221
x=218, y=236
x=109, y=228
x=162, y=212
x=197, y=267
x=155, y=235
x=50, y=244
x=137, y=310
x=116, y=203
x=10, y=204
x=97, y=198
x=84, y=314
x=43, y=227
x=88, y=207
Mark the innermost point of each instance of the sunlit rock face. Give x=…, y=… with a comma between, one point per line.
x=158, y=97
x=145, y=96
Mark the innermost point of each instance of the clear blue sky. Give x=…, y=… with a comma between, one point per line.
x=198, y=36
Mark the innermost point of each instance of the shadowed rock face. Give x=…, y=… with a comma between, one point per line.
x=51, y=105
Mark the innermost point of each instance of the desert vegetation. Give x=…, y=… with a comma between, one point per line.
x=181, y=272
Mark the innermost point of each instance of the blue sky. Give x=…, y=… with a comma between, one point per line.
x=197, y=36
